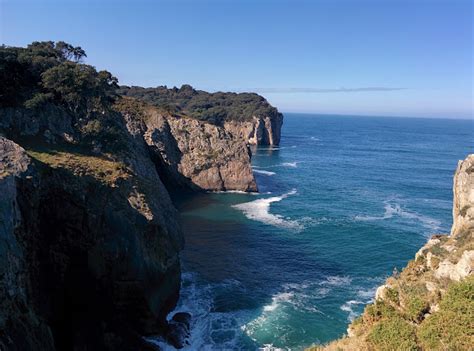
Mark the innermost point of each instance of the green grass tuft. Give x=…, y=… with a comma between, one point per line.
x=393, y=334
x=452, y=327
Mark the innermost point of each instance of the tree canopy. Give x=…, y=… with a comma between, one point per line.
x=212, y=107
x=52, y=72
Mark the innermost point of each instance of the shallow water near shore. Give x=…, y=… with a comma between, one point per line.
x=343, y=201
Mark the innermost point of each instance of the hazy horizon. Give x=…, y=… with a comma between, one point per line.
x=396, y=58
x=376, y=115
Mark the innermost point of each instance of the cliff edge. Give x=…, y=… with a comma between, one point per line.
x=189, y=153
x=430, y=304
x=89, y=237
x=89, y=248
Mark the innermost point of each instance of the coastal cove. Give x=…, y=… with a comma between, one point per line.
x=343, y=201
x=236, y=176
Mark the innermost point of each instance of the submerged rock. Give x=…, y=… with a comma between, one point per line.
x=179, y=329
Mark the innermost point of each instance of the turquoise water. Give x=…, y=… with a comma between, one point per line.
x=343, y=201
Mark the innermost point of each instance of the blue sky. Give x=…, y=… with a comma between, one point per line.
x=390, y=57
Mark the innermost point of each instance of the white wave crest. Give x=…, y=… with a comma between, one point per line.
x=348, y=307
x=296, y=297
x=268, y=148
x=277, y=300
x=394, y=209
x=283, y=164
x=197, y=298
x=261, y=171
x=232, y=192
x=336, y=280
x=289, y=164
x=259, y=210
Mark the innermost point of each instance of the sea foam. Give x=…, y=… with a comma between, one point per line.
x=207, y=325
x=259, y=210
x=289, y=164
x=261, y=171
x=394, y=209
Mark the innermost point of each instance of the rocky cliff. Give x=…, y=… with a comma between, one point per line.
x=89, y=237
x=246, y=115
x=191, y=154
x=259, y=131
x=89, y=247
x=430, y=304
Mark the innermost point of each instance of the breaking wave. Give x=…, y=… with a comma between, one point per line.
x=364, y=297
x=259, y=210
x=394, y=209
x=261, y=171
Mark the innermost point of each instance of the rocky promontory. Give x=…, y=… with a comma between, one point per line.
x=191, y=154
x=89, y=236
x=246, y=115
x=264, y=130
x=430, y=304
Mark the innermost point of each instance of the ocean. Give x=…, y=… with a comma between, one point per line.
x=342, y=202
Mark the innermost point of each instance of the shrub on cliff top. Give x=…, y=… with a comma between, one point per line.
x=393, y=334
x=452, y=327
x=215, y=108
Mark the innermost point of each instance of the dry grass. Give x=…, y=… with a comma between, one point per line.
x=99, y=167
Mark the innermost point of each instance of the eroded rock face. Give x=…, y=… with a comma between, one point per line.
x=259, y=131
x=51, y=122
x=21, y=328
x=195, y=154
x=456, y=271
x=463, y=202
x=85, y=264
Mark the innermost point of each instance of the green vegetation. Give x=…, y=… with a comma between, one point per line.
x=132, y=107
x=378, y=310
x=416, y=307
x=47, y=76
x=393, y=334
x=452, y=327
x=215, y=108
x=102, y=168
x=49, y=72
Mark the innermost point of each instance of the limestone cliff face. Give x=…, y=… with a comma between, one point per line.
x=463, y=202
x=428, y=306
x=259, y=131
x=89, y=244
x=246, y=115
x=190, y=153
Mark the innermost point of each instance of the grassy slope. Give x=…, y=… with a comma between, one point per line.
x=100, y=167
